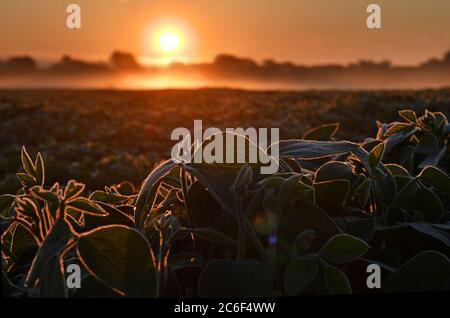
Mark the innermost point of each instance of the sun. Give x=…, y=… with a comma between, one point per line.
x=169, y=41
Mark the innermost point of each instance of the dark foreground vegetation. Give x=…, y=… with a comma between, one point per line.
x=191, y=230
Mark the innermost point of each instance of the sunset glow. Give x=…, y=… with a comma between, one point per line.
x=304, y=31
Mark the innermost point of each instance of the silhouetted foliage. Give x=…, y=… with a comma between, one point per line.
x=225, y=230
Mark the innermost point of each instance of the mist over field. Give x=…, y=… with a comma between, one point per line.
x=123, y=71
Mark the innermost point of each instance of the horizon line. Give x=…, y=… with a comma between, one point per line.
x=167, y=61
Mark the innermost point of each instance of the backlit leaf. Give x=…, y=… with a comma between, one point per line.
x=121, y=258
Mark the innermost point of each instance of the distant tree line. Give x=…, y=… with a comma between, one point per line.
x=226, y=66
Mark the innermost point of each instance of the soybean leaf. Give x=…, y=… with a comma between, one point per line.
x=396, y=243
x=343, y=248
x=428, y=144
x=323, y=132
x=407, y=196
x=431, y=230
x=27, y=162
x=55, y=241
x=433, y=159
x=115, y=216
x=362, y=228
x=243, y=179
x=299, y=274
x=331, y=193
x=385, y=188
x=375, y=155
x=93, y=288
x=110, y=198
x=22, y=242
x=430, y=205
x=121, y=258
x=218, y=181
x=437, y=178
x=299, y=217
x=397, y=170
x=363, y=192
x=293, y=188
x=307, y=149
x=427, y=271
x=401, y=136
x=73, y=189
x=441, y=120
x=6, y=201
x=334, y=170
x=207, y=212
x=9, y=290
x=27, y=207
x=40, y=169
x=396, y=127
x=45, y=195
x=26, y=179
x=126, y=188
x=336, y=282
x=87, y=206
x=409, y=115
x=280, y=192
x=302, y=243
x=147, y=188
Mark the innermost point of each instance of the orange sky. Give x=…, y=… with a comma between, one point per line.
x=303, y=31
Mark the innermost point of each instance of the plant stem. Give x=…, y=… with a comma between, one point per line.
x=241, y=240
x=259, y=247
x=161, y=266
x=241, y=228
